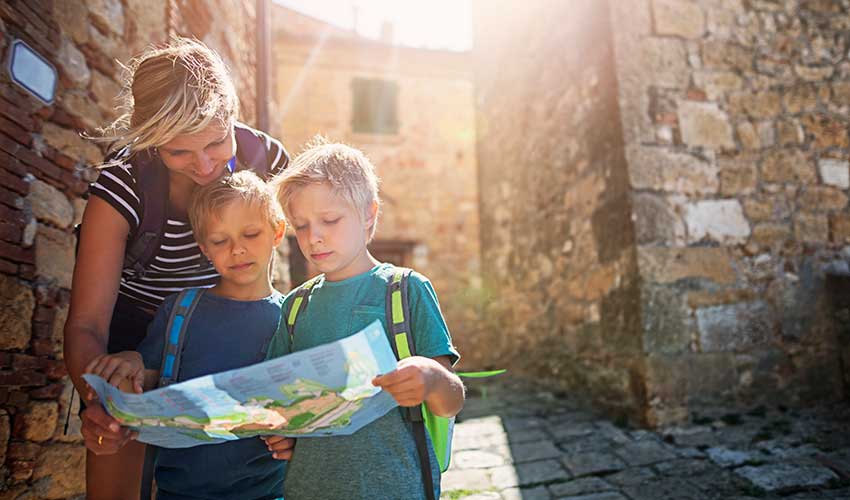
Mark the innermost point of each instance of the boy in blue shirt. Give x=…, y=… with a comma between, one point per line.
x=237, y=223
x=330, y=197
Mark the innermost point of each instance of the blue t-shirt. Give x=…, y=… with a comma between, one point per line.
x=223, y=334
x=379, y=461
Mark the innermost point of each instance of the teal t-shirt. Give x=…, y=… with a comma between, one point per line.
x=379, y=461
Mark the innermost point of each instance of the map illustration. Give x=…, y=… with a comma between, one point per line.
x=323, y=391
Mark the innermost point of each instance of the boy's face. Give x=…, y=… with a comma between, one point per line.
x=331, y=233
x=239, y=241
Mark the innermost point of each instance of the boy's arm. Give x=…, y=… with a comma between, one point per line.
x=418, y=379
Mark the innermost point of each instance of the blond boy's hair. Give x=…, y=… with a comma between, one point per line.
x=168, y=91
x=345, y=169
x=245, y=187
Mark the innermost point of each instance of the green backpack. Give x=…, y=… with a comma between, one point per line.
x=440, y=429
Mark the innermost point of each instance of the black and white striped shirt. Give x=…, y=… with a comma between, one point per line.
x=179, y=263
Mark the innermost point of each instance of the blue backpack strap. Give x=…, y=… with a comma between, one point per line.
x=175, y=334
x=398, y=319
x=298, y=304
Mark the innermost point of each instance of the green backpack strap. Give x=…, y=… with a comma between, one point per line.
x=302, y=298
x=421, y=420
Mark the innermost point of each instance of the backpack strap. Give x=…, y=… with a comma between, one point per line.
x=302, y=298
x=175, y=334
x=253, y=151
x=398, y=319
x=152, y=181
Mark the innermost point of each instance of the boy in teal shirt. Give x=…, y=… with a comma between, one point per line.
x=330, y=197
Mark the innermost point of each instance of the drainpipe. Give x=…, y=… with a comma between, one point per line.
x=264, y=55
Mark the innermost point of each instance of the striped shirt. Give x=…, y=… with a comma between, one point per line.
x=179, y=262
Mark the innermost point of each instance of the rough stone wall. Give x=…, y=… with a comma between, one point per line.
x=427, y=169
x=41, y=189
x=735, y=127
x=558, y=253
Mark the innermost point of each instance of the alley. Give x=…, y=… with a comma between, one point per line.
x=518, y=441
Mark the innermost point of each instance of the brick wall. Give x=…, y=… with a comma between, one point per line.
x=558, y=253
x=41, y=189
x=735, y=125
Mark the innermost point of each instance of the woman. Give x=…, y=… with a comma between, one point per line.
x=135, y=244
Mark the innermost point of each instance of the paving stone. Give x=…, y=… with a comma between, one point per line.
x=612, y=432
x=571, y=430
x=608, y=495
x=664, y=489
x=725, y=457
x=476, y=459
x=635, y=475
x=464, y=441
x=786, y=477
x=529, y=474
x=684, y=467
x=465, y=479
x=529, y=452
x=645, y=452
x=484, y=495
x=538, y=493
x=581, y=486
x=590, y=463
x=590, y=442
x=524, y=436
x=515, y=424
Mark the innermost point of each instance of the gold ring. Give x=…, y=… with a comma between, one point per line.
x=100, y=440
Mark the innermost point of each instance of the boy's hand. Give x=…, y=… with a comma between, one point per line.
x=124, y=370
x=281, y=447
x=411, y=382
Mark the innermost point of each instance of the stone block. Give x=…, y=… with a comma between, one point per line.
x=5, y=432
x=60, y=472
x=800, y=98
x=581, y=486
x=54, y=255
x=666, y=62
x=647, y=452
x=717, y=84
x=108, y=15
x=660, y=169
x=789, y=132
x=814, y=73
x=704, y=124
x=718, y=54
x=667, y=323
x=738, y=177
x=811, y=228
x=759, y=105
x=835, y=172
x=70, y=143
x=748, y=136
x=826, y=131
x=73, y=65
x=17, y=303
x=839, y=228
x=771, y=234
x=719, y=220
x=668, y=265
x=788, y=166
x=656, y=221
x=476, y=459
x=38, y=422
x=822, y=198
x=72, y=18
x=783, y=477
x=593, y=463
x=50, y=205
x=530, y=452
x=735, y=327
x=528, y=474
x=678, y=18
x=106, y=92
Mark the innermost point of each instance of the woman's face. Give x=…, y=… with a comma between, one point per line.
x=201, y=157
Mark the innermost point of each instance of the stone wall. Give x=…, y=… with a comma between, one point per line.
x=41, y=189
x=427, y=168
x=735, y=126
x=558, y=252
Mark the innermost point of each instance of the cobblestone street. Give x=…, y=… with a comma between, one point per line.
x=516, y=441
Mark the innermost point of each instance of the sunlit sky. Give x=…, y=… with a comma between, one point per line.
x=433, y=24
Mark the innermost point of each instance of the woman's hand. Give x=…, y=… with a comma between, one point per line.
x=125, y=370
x=281, y=447
x=103, y=434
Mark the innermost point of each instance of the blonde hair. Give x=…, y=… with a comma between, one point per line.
x=345, y=169
x=169, y=91
x=244, y=187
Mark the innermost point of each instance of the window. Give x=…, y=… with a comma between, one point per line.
x=375, y=106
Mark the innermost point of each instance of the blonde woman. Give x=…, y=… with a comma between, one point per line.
x=136, y=245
